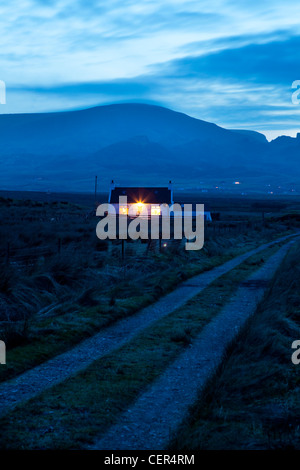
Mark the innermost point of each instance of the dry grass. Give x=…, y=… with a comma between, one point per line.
x=53, y=302
x=72, y=414
x=253, y=401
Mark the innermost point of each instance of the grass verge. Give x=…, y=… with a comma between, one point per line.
x=253, y=400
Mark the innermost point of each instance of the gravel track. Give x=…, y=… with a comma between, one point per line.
x=58, y=369
x=156, y=414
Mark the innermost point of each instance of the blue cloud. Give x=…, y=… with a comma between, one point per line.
x=121, y=88
x=273, y=63
x=229, y=62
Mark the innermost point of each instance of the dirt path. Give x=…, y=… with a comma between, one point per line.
x=58, y=369
x=148, y=424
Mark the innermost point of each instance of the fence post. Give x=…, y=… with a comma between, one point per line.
x=123, y=250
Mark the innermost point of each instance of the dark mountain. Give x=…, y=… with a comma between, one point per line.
x=134, y=144
x=256, y=135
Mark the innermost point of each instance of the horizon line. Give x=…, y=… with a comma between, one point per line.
x=269, y=134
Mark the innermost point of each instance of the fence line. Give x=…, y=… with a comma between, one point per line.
x=23, y=254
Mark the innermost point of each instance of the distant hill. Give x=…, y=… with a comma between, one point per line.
x=135, y=144
x=256, y=135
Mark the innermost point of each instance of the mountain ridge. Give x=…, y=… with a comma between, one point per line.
x=134, y=142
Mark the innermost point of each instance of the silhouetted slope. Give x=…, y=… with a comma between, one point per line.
x=132, y=142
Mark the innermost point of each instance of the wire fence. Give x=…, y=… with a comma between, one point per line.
x=10, y=254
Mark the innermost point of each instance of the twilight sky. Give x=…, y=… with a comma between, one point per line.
x=229, y=62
